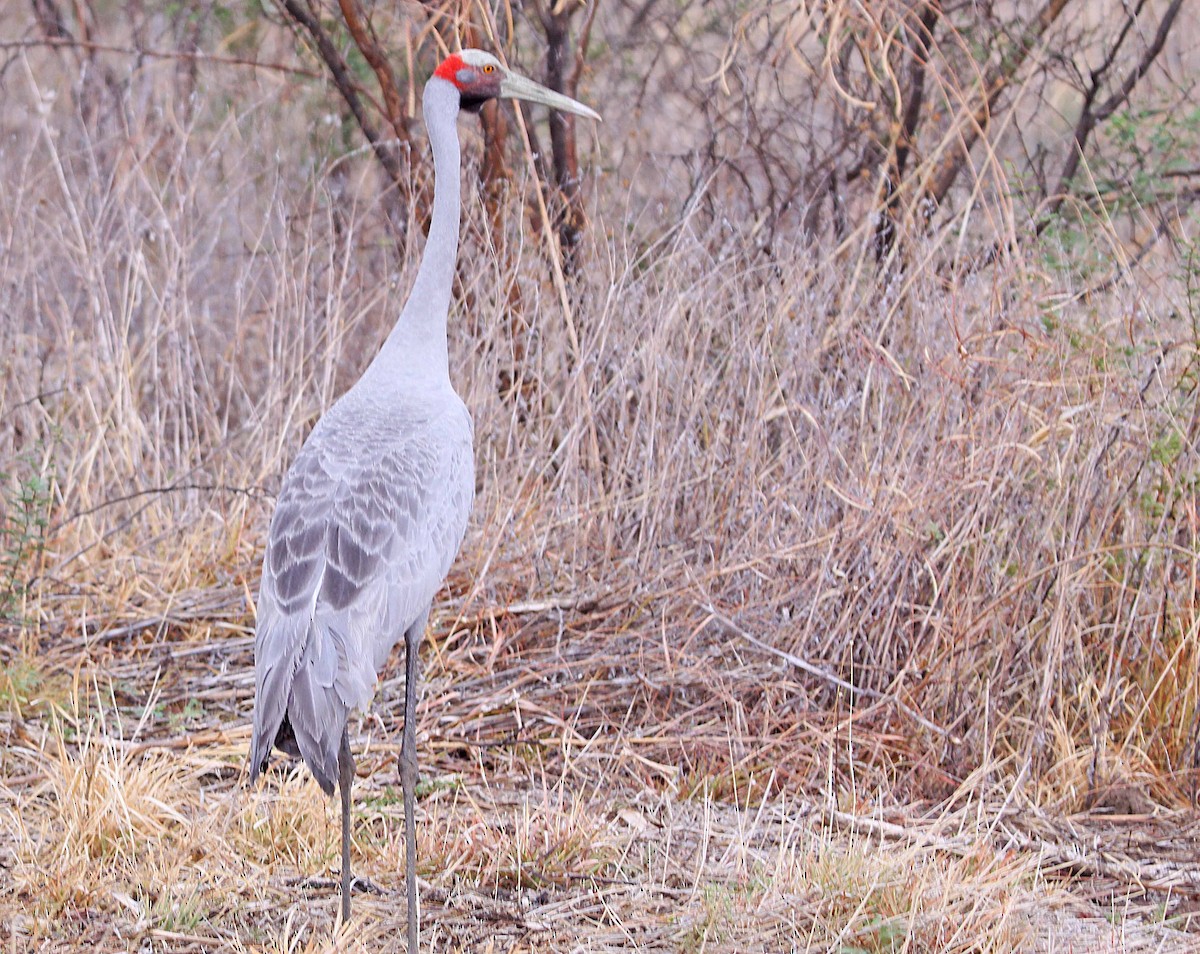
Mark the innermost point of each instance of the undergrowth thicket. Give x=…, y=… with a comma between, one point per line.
x=762, y=522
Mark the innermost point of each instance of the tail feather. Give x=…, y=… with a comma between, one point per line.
x=270, y=711
x=317, y=717
x=297, y=708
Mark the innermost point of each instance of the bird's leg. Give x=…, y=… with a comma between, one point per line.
x=408, y=777
x=345, y=777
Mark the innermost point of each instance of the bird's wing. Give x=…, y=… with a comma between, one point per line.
x=366, y=526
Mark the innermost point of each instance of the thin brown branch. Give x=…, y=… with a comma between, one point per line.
x=821, y=673
x=1090, y=118
x=51, y=20
x=585, y=35
x=999, y=79
x=187, y=55
x=363, y=34
x=350, y=91
x=556, y=22
x=885, y=232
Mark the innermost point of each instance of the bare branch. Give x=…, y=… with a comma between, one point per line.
x=67, y=42
x=367, y=42
x=1090, y=118
x=996, y=83
x=885, y=232
x=556, y=22
x=350, y=91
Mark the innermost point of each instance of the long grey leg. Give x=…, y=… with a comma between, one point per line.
x=345, y=777
x=408, y=774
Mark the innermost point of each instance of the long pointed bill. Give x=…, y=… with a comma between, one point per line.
x=516, y=86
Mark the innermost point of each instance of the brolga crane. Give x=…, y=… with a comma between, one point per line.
x=375, y=505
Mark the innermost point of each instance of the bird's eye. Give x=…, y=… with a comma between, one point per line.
x=489, y=68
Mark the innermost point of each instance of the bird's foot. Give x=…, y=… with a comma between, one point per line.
x=315, y=883
x=364, y=885
x=359, y=884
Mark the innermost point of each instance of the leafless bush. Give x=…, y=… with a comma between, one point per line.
x=895, y=119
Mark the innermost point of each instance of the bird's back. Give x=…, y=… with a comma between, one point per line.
x=368, y=521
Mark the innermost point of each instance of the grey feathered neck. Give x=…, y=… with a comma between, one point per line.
x=417, y=343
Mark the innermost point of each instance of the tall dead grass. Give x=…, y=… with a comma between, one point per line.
x=965, y=506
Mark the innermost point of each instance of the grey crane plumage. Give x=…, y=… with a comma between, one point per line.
x=373, y=509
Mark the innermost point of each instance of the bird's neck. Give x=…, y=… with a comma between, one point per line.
x=417, y=344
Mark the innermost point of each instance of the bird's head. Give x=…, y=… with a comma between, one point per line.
x=479, y=76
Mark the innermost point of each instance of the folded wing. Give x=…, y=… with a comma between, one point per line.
x=366, y=526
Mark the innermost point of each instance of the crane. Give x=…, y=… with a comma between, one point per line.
x=374, y=507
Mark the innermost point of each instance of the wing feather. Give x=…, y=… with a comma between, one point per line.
x=369, y=519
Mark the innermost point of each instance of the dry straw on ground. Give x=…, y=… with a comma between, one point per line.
x=805, y=607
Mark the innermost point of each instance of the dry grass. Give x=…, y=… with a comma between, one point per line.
x=803, y=608
x=127, y=843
